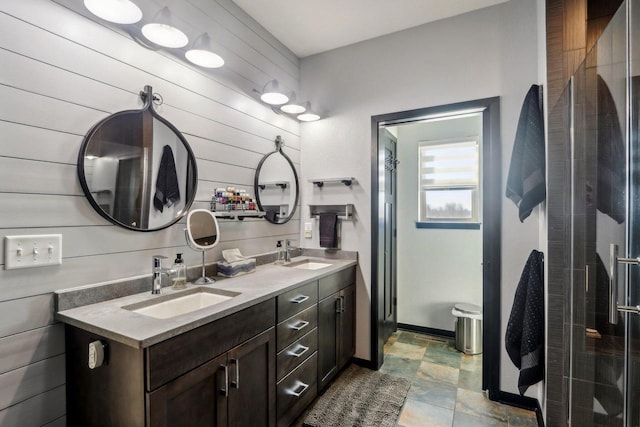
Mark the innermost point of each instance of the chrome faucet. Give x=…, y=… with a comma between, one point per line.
x=287, y=249
x=158, y=270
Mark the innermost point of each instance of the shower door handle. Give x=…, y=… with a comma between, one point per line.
x=614, y=260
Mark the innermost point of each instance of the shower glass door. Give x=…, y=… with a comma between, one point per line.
x=604, y=383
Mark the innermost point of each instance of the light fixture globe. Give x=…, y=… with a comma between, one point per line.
x=271, y=94
x=204, y=58
x=201, y=53
x=292, y=106
x=308, y=115
x=163, y=33
x=116, y=11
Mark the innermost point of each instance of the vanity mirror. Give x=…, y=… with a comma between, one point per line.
x=276, y=185
x=202, y=234
x=137, y=170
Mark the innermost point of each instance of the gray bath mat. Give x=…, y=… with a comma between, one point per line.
x=360, y=397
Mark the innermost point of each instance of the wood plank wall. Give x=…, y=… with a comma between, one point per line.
x=60, y=73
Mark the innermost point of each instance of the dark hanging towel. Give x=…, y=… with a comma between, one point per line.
x=328, y=230
x=526, y=181
x=167, y=190
x=611, y=157
x=524, y=339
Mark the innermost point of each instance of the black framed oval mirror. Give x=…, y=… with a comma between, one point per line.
x=276, y=185
x=137, y=170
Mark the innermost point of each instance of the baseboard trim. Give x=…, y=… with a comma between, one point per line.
x=428, y=331
x=364, y=363
x=523, y=402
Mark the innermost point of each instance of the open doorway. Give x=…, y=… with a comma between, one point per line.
x=411, y=200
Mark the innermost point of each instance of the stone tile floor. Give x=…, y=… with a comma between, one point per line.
x=446, y=385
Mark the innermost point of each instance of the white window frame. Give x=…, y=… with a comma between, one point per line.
x=472, y=180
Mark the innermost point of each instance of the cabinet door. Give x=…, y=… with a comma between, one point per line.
x=252, y=382
x=197, y=398
x=347, y=325
x=328, y=333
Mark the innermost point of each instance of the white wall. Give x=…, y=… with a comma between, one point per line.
x=61, y=73
x=486, y=53
x=437, y=268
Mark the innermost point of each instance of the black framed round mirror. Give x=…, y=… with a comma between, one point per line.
x=276, y=185
x=137, y=170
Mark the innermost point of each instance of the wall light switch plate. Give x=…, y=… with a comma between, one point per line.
x=308, y=230
x=32, y=251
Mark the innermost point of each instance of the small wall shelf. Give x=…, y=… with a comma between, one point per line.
x=344, y=180
x=239, y=215
x=281, y=184
x=343, y=211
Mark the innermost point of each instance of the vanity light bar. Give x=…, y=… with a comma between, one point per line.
x=160, y=31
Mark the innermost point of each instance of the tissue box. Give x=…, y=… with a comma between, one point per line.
x=236, y=268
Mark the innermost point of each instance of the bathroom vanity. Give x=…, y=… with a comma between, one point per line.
x=257, y=358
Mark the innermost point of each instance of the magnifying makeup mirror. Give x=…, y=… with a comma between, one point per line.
x=202, y=233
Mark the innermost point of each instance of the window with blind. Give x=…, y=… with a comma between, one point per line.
x=449, y=182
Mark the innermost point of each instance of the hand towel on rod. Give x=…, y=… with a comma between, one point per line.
x=328, y=230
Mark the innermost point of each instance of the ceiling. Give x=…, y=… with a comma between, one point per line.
x=308, y=27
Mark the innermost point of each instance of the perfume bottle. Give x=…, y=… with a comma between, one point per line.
x=179, y=279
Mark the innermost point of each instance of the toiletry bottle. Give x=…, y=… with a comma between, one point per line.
x=279, y=253
x=179, y=278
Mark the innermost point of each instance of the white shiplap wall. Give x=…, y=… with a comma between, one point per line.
x=59, y=74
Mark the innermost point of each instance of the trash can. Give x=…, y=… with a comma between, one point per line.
x=468, y=328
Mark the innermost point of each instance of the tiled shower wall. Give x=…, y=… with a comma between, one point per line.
x=573, y=26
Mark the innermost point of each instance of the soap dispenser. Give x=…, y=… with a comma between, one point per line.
x=279, y=253
x=179, y=278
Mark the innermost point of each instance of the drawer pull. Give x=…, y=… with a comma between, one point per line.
x=299, y=299
x=235, y=381
x=298, y=351
x=224, y=390
x=300, y=325
x=299, y=386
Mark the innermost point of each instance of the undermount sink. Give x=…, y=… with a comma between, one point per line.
x=308, y=264
x=185, y=302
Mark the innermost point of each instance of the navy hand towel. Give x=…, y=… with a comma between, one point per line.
x=526, y=181
x=328, y=230
x=524, y=338
x=167, y=190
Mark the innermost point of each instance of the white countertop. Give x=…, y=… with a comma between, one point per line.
x=110, y=320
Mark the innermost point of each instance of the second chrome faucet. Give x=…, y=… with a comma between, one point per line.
x=158, y=270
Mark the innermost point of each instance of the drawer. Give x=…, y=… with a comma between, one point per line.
x=296, y=326
x=296, y=300
x=171, y=358
x=297, y=389
x=332, y=284
x=296, y=353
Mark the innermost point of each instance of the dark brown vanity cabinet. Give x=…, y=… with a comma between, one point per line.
x=220, y=374
x=336, y=320
x=261, y=366
x=297, y=337
x=234, y=389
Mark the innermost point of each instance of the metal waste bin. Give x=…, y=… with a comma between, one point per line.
x=468, y=328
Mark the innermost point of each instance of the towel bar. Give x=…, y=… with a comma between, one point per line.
x=343, y=211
